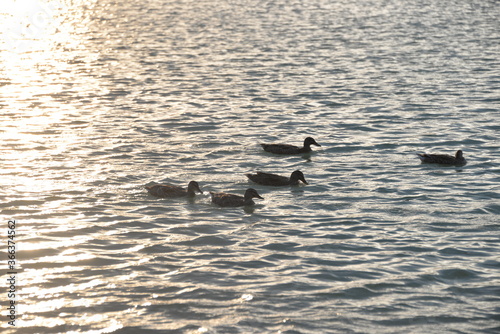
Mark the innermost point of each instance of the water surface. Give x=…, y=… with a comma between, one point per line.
x=99, y=98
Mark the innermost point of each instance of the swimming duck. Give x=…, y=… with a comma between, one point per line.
x=165, y=190
x=268, y=179
x=224, y=199
x=290, y=149
x=444, y=159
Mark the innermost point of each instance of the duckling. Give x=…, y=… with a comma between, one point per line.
x=443, y=159
x=290, y=149
x=268, y=179
x=224, y=199
x=169, y=191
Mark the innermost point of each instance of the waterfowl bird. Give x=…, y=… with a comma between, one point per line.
x=290, y=149
x=443, y=159
x=165, y=190
x=268, y=179
x=224, y=199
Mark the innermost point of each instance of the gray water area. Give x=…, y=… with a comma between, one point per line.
x=100, y=98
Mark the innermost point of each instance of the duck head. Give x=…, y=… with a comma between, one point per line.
x=296, y=176
x=252, y=193
x=194, y=186
x=310, y=141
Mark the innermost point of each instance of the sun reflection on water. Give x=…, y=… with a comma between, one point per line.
x=38, y=41
x=27, y=24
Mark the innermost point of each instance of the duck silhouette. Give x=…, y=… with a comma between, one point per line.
x=225, y=199
x=269, y=179
x=443, y=159
x=290, y=149
x=170, y=191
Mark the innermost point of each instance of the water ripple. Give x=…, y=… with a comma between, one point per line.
x=112, y=98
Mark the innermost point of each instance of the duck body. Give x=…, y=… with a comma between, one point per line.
x=290, y=149
x=269, y=179
x=170, y=191
x=226, y=200
x=443, y=159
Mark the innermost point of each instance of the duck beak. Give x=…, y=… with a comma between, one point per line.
x=258, y=196
x=305, y=182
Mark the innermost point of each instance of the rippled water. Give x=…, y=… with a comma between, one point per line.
x=99, y=98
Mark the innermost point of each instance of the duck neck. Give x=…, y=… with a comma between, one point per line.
x=306, y=148
x=249, y=201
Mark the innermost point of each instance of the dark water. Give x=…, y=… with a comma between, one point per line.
x=99, y=98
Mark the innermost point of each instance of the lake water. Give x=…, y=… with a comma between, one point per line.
x=99, y=98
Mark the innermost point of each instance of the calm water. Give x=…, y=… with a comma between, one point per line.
x=99, y=98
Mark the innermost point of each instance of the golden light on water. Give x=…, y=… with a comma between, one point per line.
x=31, y=31
x=27, y=25
x=39, y=40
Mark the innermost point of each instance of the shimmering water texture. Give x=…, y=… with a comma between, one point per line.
x=102, y=98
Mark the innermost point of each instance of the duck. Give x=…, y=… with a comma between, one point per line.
x=269, y=179
x=225, y=199
x=290, y=149
x=443, y=159
x=169, y=191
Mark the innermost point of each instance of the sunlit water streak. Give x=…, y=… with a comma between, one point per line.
x=99, y=98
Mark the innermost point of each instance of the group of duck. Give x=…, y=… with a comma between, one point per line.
x=231, y=200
